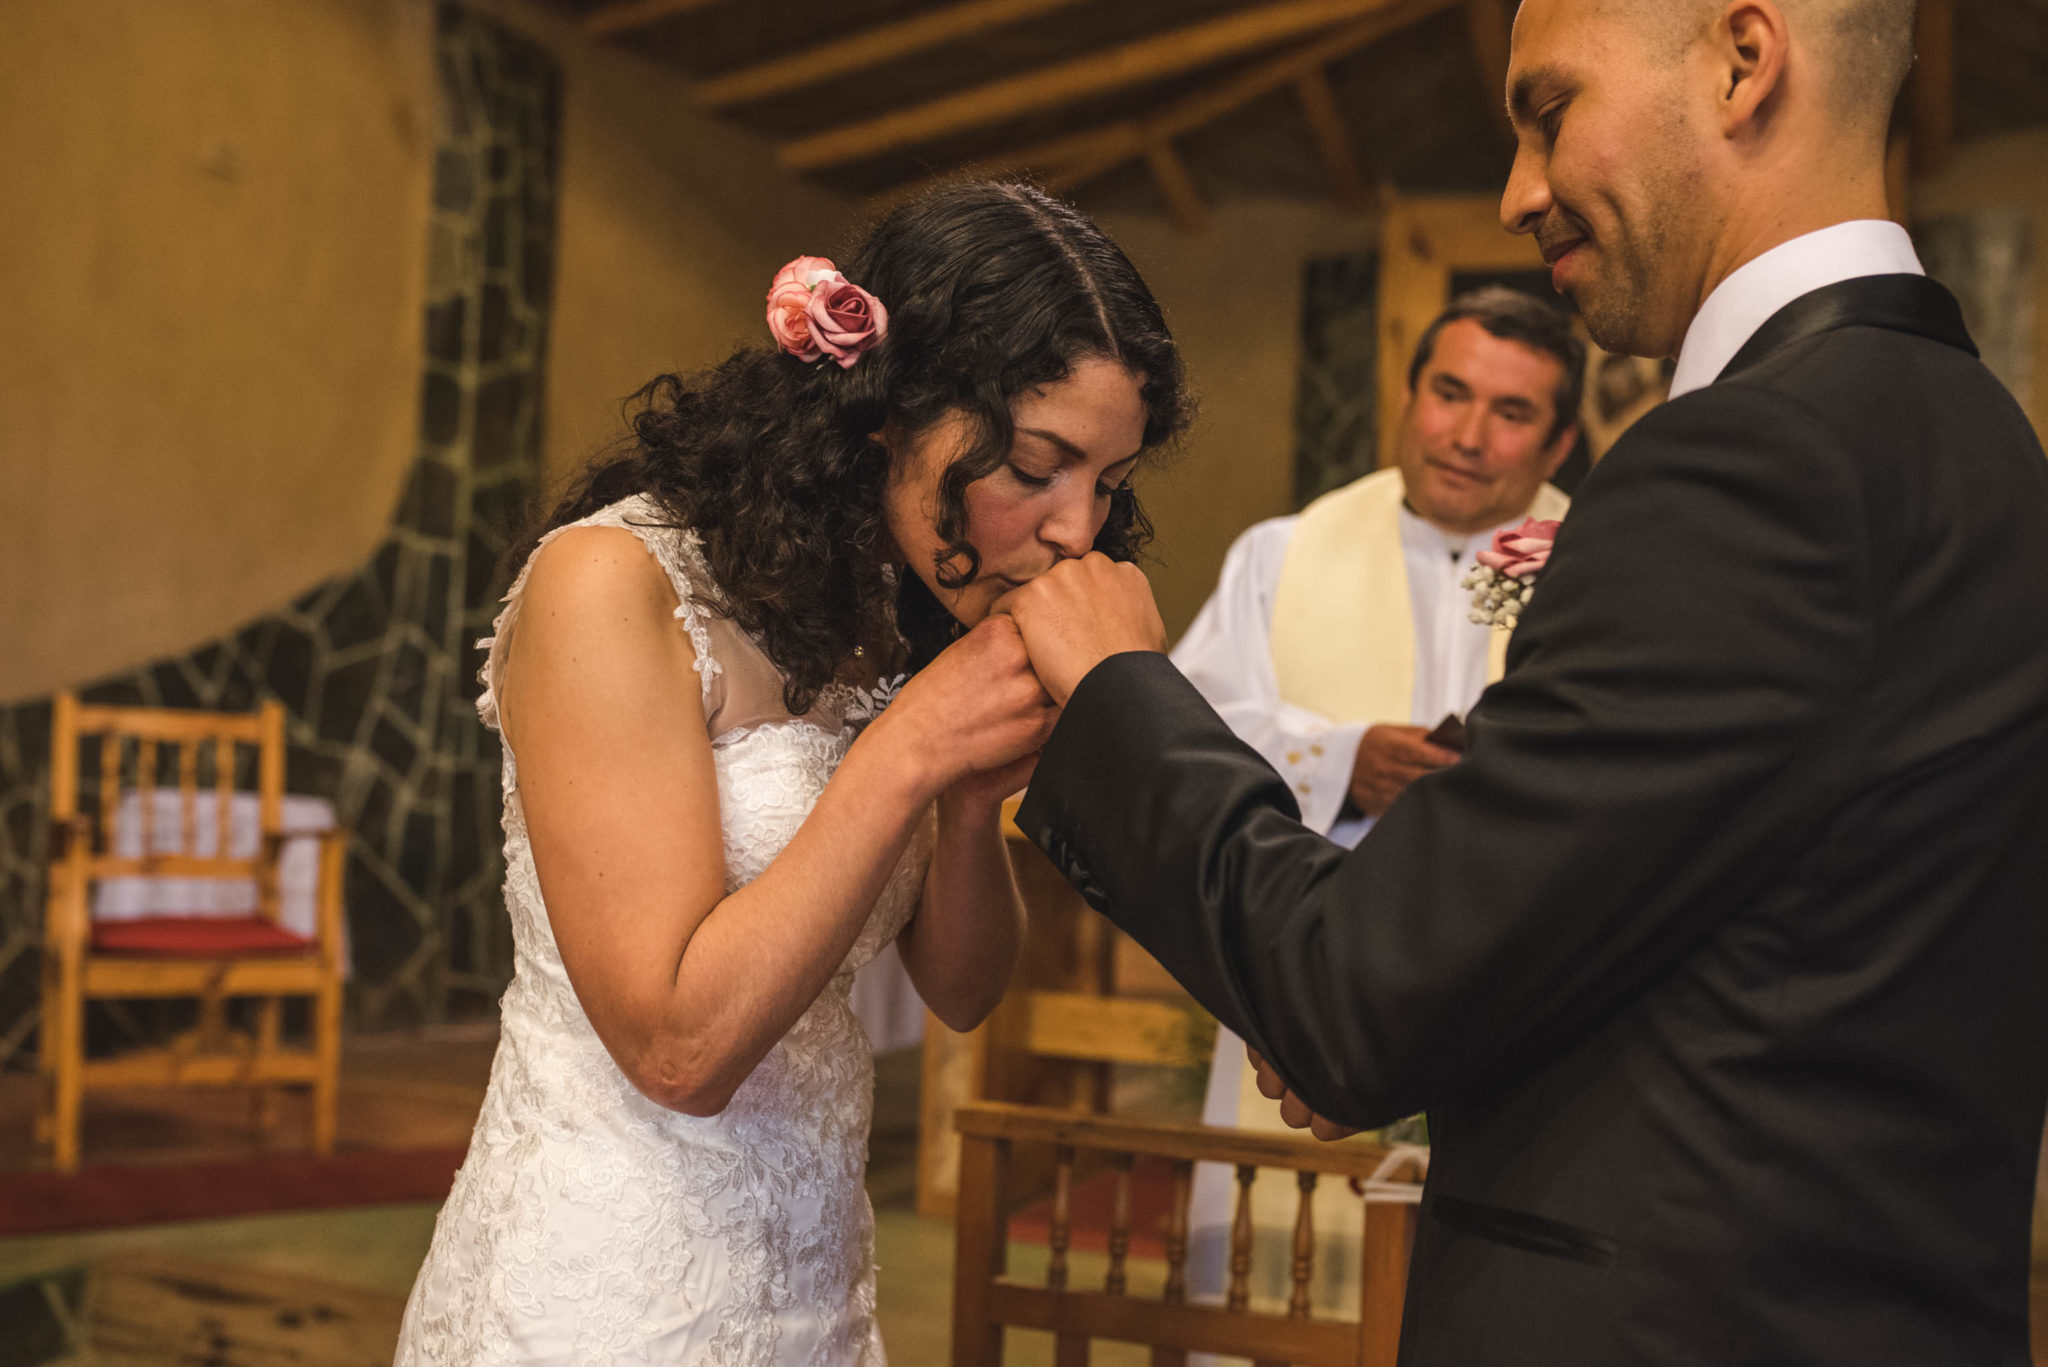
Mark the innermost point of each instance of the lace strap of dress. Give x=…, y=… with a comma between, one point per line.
x=675, y=549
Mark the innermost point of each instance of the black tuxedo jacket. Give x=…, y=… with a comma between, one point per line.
x=1720, y=961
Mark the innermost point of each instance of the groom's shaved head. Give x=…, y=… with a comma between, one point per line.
x=1659, y=140
x=1865, y=46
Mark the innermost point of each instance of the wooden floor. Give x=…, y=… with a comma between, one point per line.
x=418, y=1090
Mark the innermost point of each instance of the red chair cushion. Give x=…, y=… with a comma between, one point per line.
x=196, y=937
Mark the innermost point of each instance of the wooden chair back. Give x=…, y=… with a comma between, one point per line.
x=104, y=757
x=986, y=1300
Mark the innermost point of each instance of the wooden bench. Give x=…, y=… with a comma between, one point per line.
x=986, y=1300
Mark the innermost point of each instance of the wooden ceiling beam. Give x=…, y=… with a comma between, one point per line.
x=1326, y=124
x=1931, y=95
x=1489, y=29
x=1117, y=141
x=1170, y=174
x=1077, y=159
x=872, y=48
x=626, y=15
x=1147, y=59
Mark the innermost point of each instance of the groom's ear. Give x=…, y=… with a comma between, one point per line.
x=1750, y=43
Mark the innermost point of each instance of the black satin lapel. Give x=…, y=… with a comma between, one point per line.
x=1902, y=303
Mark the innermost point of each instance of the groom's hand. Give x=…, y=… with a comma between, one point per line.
x=1292, y=1111
x=1078, y=614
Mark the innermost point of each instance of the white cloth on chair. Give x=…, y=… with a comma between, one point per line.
x=298, y=871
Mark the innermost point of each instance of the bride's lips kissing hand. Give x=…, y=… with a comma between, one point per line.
x=1078, y=614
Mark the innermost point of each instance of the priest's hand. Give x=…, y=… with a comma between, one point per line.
x=1389, y=759
x=1292, y=1111
x=1078, y=614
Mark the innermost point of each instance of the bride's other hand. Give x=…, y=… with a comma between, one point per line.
x=973, y=716
x=1081, y=612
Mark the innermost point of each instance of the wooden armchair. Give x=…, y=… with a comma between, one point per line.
x=986, y=1300
x=140, y=756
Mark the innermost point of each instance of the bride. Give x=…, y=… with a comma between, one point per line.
x=710, y=819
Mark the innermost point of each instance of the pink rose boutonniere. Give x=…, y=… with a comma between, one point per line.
x=1505, y=574
x=814, y=312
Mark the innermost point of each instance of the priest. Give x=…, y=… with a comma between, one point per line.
x=1338, y=641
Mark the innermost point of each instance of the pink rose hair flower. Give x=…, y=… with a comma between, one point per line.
x=814, y=312
x=1505, y=574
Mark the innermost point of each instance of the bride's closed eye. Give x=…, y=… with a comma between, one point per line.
x=1103, y=489
x=1027, y=478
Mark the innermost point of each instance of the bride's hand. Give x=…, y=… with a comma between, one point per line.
x=975, y=715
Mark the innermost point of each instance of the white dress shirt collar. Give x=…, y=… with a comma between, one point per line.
x=1746, y=300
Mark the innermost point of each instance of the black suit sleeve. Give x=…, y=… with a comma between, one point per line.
x=1656, y=754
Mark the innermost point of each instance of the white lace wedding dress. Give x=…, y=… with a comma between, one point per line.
x=589, y=1225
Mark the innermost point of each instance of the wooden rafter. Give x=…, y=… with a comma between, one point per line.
x=1080, y=157
x=1170, y=174
x=1489, y=29
x=1332, y=136
x=1164, y=54
x=632, y=14
x=871, y=48
x=1077, y=149
x=1932, y=93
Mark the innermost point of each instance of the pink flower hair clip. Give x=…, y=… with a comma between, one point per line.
x=1506, y=573
x=814, y=312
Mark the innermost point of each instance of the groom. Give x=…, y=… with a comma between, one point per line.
x=1721, y=959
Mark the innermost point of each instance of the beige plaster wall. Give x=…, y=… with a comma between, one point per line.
x=2009, y=172
x=214, y=255
x=211, y=257
x=1232, y=295
x=672, y=225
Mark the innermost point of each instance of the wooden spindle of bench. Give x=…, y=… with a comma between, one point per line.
x=1116, y=1282
x=1304, y=1246
x=1241, y=1241
x=1177, y=1234
x=1176, y=1292
x=1062, y=1214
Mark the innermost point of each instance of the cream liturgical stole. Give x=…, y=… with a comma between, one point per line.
x=1343, y=642
x=1343, y=620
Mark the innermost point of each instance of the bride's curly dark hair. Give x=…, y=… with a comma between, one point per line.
x=993, y=290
